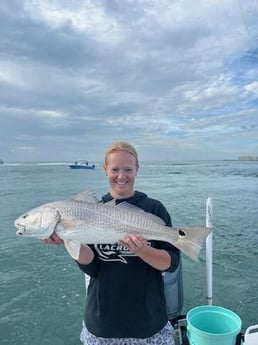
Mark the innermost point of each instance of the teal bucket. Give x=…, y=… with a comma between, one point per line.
x=212, y=325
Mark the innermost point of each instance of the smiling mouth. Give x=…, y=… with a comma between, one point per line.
x=121, y=183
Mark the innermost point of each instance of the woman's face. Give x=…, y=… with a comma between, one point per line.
x=121, y=169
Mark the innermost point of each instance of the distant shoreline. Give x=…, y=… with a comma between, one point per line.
x=147, y=162
x=248, y=158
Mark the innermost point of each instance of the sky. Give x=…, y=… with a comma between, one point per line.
x=178, y=79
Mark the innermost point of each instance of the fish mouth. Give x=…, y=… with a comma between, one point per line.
x=21, y=229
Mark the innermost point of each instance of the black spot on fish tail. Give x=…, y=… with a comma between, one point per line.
x=181, y=233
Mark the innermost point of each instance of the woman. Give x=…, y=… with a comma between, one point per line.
x=125, y=297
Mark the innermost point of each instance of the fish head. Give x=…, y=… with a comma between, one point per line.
x=39, y=222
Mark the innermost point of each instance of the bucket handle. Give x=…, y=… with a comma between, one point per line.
x=239, y=338
x=251, y=328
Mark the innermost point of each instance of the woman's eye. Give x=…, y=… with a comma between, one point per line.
x=127, y=170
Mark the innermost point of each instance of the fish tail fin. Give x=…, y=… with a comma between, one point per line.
x=190, y=240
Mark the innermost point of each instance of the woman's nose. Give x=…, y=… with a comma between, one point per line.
x=121, y=173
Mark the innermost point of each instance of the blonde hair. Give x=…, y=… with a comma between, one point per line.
x=122, y=146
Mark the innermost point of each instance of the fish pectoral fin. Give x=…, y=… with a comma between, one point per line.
x=73, y=247
x=87, y=196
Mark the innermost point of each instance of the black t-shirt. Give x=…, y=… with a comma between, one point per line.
x=125, y=296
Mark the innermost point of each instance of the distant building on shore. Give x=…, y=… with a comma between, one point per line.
x=248, y=158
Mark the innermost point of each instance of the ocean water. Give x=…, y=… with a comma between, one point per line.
x=42, y=291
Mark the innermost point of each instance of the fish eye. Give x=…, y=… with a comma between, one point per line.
x=25, y=216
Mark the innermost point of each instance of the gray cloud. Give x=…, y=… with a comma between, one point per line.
x=166, y=75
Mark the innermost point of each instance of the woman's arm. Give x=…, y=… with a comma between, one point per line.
x=86, y=255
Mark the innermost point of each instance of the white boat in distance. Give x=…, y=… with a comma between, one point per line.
x=80, y=164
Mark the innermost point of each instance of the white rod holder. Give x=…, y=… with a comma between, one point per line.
x=209, y=249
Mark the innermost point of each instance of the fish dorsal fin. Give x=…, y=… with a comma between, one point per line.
x=123, y=205
x=127, y=206
x=111, y=203
x=132, y=208
x=86, y=195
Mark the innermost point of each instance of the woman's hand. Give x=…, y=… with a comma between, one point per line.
x=53, y=239
x=134, y=243
x=157, y=258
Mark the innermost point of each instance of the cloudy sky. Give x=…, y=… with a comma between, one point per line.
x=176, y=78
